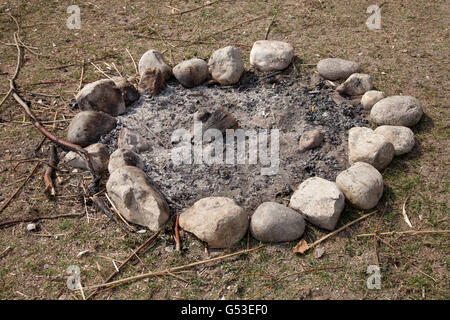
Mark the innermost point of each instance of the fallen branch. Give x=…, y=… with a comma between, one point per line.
x=194, y=9
x=302, y=246
x=53, y=161
x=177, y=234
x=8, y=223
x=140, y=249
x=19, y=188
x=37, y=123
x=409, y=232
x=406, y=258
x=171, y=270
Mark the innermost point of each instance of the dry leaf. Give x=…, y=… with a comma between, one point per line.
x=301, y=247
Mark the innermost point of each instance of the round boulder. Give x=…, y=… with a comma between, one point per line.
x=102, y=95
x=397, y=111
x=153, y=58
x=370, y=98
x=362, y=185
x=366, y=146
x=336, y=68
x=273, y=222
x=226, y=66
x=320, y=201
x=402, y=138
x=271, y=55
x=191, y=73
x=88, y=126
x=219, y=221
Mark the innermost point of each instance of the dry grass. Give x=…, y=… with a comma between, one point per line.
x=409, y=55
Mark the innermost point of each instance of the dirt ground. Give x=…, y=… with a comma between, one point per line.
x=408, y=55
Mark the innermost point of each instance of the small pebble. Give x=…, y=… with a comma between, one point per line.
x=31, y=227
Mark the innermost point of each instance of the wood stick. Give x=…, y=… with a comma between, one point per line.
x=101, y=71
x=19, y=188
x=401, y=255
x=142, y=247
x=80, y=85
x=134, y=62
x=16, y=221
x=194, y=9
x=5, y=252
x=118, y=213
x=315, y=243
x=171, y=270
x=49, y=185
x=409, y=232
x=177, y=234
x=37, y=123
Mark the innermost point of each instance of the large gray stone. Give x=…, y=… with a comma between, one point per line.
x=402, y=138
x=219, y=221
x=320, y=201
x=102, y=95
x=271, y=55
x=226, y=66
x=136, y=198
x=191, y=73
x=371, y=97
x=397, y=111
x=98, y=154
x=357, y=84
x=336, y=68
x=362, y=185
x=123, y=158
x=273, y=222
x=366, y=146
x=88, y=126
x=153, y=58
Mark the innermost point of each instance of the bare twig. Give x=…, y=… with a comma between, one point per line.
x=13, y=222
x=100, y=70
x=49, y=185
x=118, y=213
x=409, y=232
x=405, y=216
x=138, y=250
x=134, y=62
x=81, y=77
x=268, y=28
x=194, y=9
x=171, y=270
x=177, y=234
x=18, y=189
x=315, y=243
x=5, y=252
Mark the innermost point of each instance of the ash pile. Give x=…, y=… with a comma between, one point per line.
x=312, y=123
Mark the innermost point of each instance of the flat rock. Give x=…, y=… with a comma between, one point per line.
x=102, y=95
x=364, y=145
x=362, y=185
x=152, y=81
x=129, y=92
x=355, y=85
x=136, y=198
x=219, y=221
x=123, y=158
x=129, y=139
x=273, y=222
x=226, y=66
x=271, y=55
x=402, y=138
x=191, y=73
x=153, y=58
x=397, y=111
x=337, y=69
x=371, y=97
x=88, y=126
x=98, y=154
x=311, y=139
x=320, y=201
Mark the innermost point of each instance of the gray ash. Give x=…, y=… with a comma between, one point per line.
x=280, y=102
